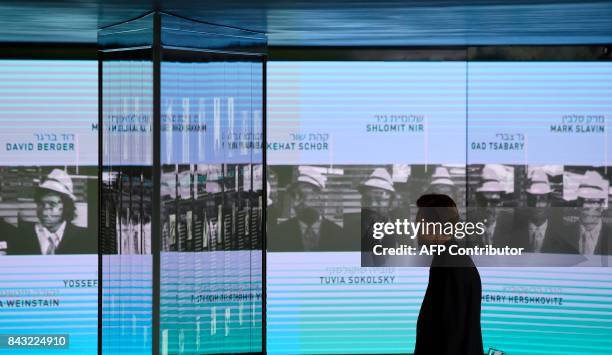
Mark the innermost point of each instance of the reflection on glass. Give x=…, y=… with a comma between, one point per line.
x=211, y=206
x=126, y=203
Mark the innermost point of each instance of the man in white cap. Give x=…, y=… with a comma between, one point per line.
x=377, y=192
x=488, y=199
x=54, y=233
x=309, y=230
x=441, y=183
x=377, y=200
x=535, y=228
x=592, y=236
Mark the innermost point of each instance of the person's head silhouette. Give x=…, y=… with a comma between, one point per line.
x=435, y=210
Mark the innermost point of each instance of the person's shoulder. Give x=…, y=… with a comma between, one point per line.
x=26, y=225
x=80, y=233
x=23, y=239
x=330, y=227
x=561, y=237
x=507, y=217
x=452, y=263
x=284, y=236
x=290, y=223
x=333, y=238
x=6, y=227
x=75, y=228
x=25, y=228
x=352, y=217
x=328, y=224
x=7, y=234
x=78, y=240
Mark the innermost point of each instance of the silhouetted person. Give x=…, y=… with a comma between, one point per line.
x=449, y=320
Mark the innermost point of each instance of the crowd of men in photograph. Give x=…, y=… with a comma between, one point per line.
x=582, y=227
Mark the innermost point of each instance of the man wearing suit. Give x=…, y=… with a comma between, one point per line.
x=488, y=200
x=54, y=233
x=377, y=199
x=591, y=235
x=536, y=228
x=308, y=230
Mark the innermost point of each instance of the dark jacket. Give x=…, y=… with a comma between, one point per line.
x=604, y=243
x=287, y=236
x=357, y=232
x=554, y=238
x=449, y=320
x=7, y=232
x=76, y=240
x=503, y=224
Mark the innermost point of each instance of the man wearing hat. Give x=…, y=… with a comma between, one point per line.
x=377, y=200
x=536, y=229
x=441, y=183
x=309, y=230
x=591, y=235
x=488, y=200
x=54, y=233
x=377, y=192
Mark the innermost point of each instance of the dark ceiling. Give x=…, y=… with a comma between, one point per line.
x=330, y=23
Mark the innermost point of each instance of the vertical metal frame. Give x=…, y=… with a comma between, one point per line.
x=264, y=238
x=155, y=215
x=100, y=205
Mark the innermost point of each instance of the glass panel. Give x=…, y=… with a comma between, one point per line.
x=514, y=143
x=211, y=204
x=538, y=172
x=49, y=201
x=350, y=142
x=126, y=202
